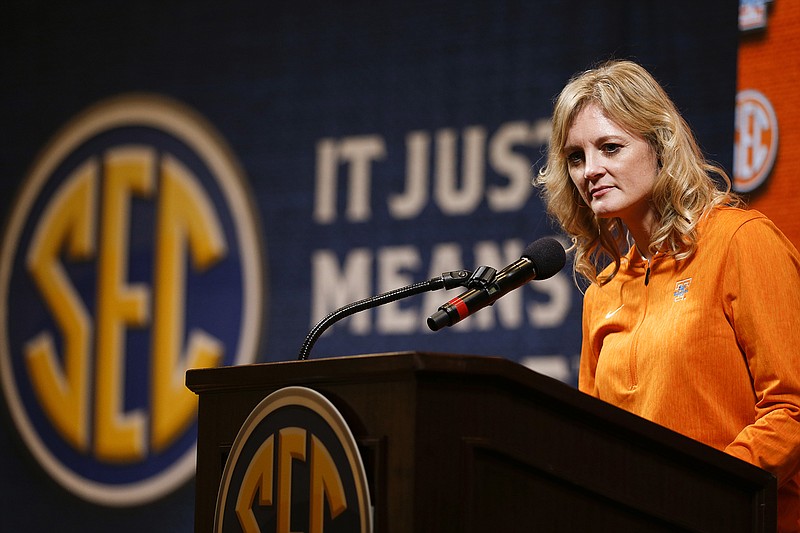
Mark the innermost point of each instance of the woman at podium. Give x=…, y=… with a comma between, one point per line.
x=692, y=314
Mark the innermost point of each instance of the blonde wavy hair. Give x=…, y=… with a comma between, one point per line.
x=684, y=189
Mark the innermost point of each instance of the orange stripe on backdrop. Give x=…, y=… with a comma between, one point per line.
x=769, y=61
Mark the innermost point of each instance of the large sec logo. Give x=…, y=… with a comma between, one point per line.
x=131, y=255
x=294, y=466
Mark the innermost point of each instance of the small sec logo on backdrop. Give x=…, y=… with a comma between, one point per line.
x=132, y=254
x=755, y=140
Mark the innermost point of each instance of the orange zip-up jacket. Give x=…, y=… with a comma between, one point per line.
x=708, y=346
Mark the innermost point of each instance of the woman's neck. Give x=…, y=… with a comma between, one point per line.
x=642, y=231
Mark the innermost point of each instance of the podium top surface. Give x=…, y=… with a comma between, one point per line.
x=469, y=370
x=360, y=366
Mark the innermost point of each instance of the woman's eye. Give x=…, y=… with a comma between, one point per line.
x=574, y=158
x=611, y=148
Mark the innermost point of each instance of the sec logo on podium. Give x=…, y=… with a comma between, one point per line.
x=294, y=466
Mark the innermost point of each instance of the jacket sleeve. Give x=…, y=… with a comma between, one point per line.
x=588, y=361
x=762, y=292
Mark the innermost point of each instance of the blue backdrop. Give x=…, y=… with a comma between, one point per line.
x=378, y=145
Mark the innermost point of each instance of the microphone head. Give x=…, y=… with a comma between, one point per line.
x=547, y=255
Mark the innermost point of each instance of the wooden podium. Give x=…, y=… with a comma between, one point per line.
x=476, y=444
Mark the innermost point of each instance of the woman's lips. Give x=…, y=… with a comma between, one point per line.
x=596, y=192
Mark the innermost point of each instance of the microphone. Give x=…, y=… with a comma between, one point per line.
x=542, y=259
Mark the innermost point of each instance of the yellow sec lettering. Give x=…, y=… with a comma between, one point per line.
x=185, y=219
x=291, y=446
x=119, y=435
x=68, y=223
x=325, y=483
x=257, y=478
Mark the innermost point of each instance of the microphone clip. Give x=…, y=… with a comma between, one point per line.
x=481, y=278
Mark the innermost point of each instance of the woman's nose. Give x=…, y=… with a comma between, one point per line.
x=593, y=167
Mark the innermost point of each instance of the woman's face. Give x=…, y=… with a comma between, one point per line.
x=613, y=169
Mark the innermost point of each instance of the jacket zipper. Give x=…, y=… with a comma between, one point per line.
x=633, y=365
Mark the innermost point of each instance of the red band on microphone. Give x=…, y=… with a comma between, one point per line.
x=461, y=307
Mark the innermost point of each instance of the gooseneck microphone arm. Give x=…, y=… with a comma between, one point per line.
x=448, y=280
x=542, y=259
